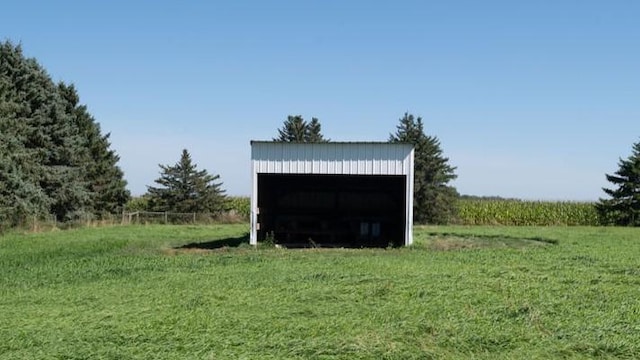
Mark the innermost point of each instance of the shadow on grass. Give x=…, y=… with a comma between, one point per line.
x=217, y=244
x=243, y=240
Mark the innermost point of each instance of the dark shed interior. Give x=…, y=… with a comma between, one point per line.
x=332, y=210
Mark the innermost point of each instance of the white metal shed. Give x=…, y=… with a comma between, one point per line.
x=332, y=193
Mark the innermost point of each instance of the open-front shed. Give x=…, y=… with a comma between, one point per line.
x=337, y=194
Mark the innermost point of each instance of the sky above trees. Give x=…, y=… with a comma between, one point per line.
x=535, y=100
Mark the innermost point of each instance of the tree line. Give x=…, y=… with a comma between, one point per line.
x=54, y=160
x=435, y=199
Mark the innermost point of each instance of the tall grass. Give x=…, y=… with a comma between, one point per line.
x=526, y=213
x=135, y=292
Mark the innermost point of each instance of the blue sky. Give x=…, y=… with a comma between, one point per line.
x=535, y=99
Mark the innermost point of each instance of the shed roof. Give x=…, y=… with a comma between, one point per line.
x=326, y=142
x=342, y=158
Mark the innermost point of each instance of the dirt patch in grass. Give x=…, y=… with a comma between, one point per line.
x=451, y=242
x=176, y=251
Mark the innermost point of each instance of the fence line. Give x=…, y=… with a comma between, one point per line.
x=168, y=217
x=45, y=222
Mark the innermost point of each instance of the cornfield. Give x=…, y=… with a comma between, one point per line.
x=526, y=213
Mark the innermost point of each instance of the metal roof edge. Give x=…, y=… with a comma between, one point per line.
x=328, y=142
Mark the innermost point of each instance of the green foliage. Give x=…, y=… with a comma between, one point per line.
x=53, y=158
x=241, y=205
x=184, y=189
x=433, y=197
x=138, y=203
x=314, y=132
x=296, y=129
x=525, y=213
x=99, y=165
x=133, y=292
x=269, y=241
x=623, y=206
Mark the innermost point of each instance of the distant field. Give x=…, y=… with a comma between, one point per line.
x=512, y=212
x=132, y=292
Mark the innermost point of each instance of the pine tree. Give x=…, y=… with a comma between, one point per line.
x=45, y=151
x=20, y=197
x=33, y=110
x=105, y=180
x=63, y=179
x=433, y=199
x=314, y=132
x=296, y=129
x=184, y=189
x=623, y=206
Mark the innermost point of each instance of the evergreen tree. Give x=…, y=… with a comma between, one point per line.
x=32, y=105
x=433, y=199
x=623, y=206
x=105, y=180
x=44, y=151
x=63, y=181
x=185, y=189
x=314, y=132
x=20, y=195
x=296, y=129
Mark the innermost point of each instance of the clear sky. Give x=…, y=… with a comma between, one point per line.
x=530, y=99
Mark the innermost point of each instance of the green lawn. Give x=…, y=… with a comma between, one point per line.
x=458, y=293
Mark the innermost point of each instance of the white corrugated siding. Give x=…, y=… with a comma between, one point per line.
x=331, y=158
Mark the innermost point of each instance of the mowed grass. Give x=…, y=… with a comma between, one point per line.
x=459, y=293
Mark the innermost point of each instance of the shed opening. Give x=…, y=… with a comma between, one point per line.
x=311, y=210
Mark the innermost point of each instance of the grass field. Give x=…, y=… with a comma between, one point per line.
x=459, y=293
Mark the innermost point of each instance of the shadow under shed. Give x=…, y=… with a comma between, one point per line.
x=217, y=244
